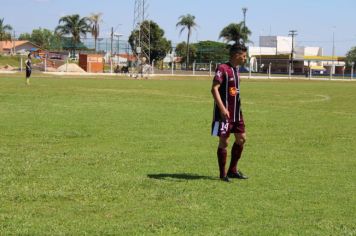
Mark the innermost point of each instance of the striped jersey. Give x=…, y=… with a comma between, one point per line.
x=229, y=79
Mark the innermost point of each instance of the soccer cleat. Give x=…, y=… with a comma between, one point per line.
x=225, y=179
x=237, y=175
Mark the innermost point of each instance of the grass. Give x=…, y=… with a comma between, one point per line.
x=135, y=157
x=15, y=61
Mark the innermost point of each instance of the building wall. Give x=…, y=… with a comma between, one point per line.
x=268, y=41
x=255, y=51
x=282, y=43
x=93, y=63
x=313, y=51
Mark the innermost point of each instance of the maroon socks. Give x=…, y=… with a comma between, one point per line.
x=222, y=153
x=236, y=152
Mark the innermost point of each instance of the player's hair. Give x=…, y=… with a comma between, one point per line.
x=29, y=54
x=237, y=48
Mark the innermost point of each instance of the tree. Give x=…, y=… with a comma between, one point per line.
x=95, y=19
x=4, y=34
x=181, y=51
x=159, y=45
x=187, y=22
x=75, y=26
x=211, y=51
x=44, y=38
x=238, y=33
x=56, y=42
x=25, y=36
x=351, y=56
x=204, y=51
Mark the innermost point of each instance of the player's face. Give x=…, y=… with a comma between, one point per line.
x=239, y=58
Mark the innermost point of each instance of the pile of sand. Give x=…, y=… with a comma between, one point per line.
x=70, y=67
x=7, y=68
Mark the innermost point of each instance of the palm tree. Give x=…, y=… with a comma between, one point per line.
x=4, y=35
x=187, y=22
x=237, y=33
x=95, y=19
x=75, y=26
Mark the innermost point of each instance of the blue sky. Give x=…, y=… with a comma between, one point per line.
x=315, y=20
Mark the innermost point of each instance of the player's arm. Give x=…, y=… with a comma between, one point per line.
x=215, y=92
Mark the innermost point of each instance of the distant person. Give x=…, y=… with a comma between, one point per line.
x=28, y=64
x=146, y=70
x=227, y=112
x=125, y=69
x=117, y=69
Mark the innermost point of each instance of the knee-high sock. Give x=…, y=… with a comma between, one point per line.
x=222, y=153
x=236, y=152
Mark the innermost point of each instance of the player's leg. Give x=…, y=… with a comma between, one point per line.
x=236, y=152
x=28, y=75
x=222, y=130
x=222, y=155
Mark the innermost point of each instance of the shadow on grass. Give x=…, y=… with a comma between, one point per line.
x=179, y=176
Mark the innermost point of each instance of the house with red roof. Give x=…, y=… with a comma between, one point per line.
x=17, y=47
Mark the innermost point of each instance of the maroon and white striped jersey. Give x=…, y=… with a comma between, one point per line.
x=229, y=79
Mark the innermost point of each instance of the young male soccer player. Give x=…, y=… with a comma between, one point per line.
x=227, y=112
x=28, y=64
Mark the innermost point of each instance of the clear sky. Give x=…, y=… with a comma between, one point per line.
x=315, y=20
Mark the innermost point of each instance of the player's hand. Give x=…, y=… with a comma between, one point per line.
x=225, y=114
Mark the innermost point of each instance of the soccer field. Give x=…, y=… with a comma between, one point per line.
x=135, y=157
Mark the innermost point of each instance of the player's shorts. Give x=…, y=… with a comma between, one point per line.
x=28, y=73
x=223, y=128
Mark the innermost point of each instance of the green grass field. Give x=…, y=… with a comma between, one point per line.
x=135, y=157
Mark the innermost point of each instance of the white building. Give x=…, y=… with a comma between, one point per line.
x=274, y=47
x=281, y=45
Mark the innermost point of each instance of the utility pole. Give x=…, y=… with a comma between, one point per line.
x=118, y=43
x=244, y=10
x=332, y=69
x=111, y=39
x=13, y=42
x=352, y=70
x=292, y=33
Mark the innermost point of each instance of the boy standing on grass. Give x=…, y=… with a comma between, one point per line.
x=227, y=112
x=28, y=64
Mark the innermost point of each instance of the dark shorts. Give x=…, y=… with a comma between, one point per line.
x=28, y=73
x=223, y=128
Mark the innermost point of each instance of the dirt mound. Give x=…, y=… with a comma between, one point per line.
x=70, y=67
